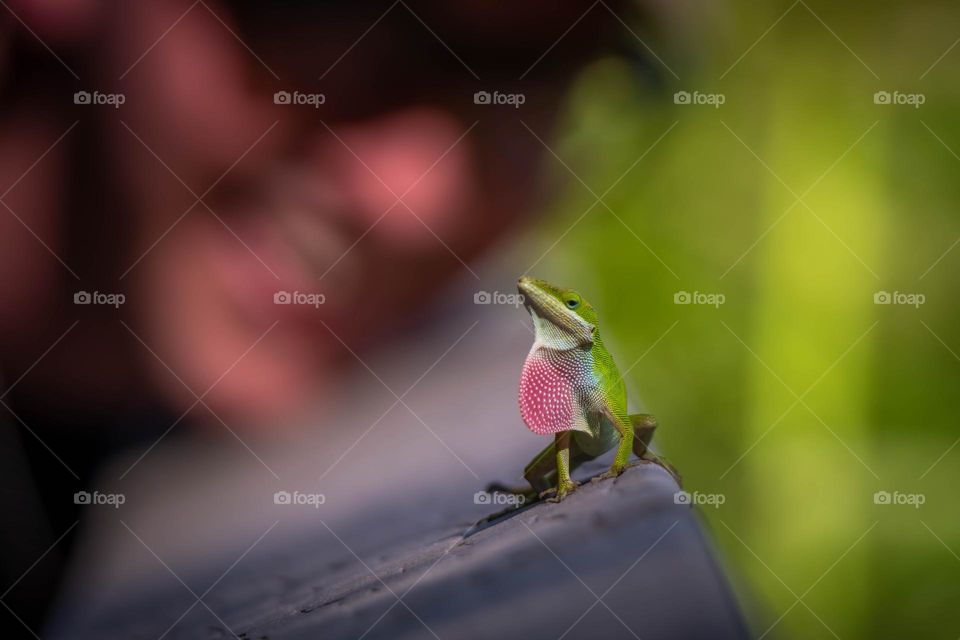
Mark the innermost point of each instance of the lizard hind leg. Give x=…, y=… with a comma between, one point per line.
x=643, y=427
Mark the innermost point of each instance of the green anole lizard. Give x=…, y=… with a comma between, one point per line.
x=571, y=388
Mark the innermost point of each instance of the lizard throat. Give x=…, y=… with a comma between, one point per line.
x=551, y=336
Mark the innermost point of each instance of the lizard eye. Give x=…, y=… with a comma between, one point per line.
x=572, y=303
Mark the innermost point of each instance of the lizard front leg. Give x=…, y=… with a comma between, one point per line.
x=625, y=427
x=564, y=484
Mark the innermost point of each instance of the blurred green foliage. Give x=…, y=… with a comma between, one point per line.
x=799, y=397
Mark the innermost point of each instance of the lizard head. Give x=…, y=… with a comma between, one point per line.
x=561, y=317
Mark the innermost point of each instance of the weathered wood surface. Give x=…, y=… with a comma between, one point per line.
x=617, y=559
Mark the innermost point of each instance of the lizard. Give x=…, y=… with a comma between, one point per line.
x=570, y=388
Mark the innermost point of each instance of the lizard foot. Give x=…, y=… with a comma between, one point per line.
x=560, y=492
x=612, y=473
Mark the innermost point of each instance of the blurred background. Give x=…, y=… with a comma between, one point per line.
x=233, y=236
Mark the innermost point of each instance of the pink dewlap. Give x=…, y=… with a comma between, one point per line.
x=546, y=395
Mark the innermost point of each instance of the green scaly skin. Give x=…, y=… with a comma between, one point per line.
x=569, y=360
